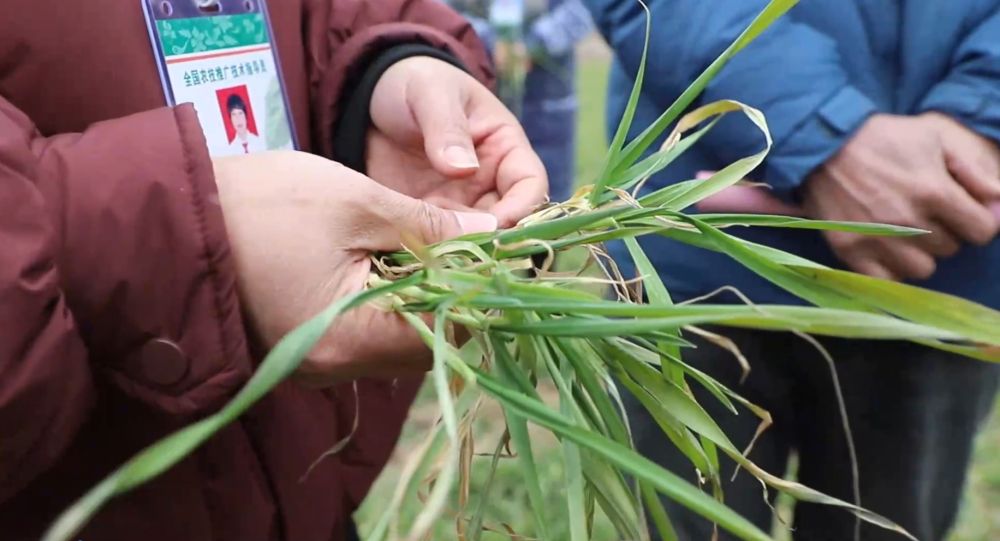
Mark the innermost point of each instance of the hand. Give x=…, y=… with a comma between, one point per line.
x=743, y=198
x=440, y=136
x=301, y=229
x=973, y=160
x=894, y=170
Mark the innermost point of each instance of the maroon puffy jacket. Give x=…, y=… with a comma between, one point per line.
x=119, y=320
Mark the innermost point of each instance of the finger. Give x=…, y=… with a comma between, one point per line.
x=449, y=203
x=870, y=267
x=967, y=219
x=905, y=260
x=392, y=219
x=522, y=185
x=856, y=254
x=979, y=181
x=521, y=182
x=746, y=199
x=440, y=114
x=939, y=243
x=489, y=200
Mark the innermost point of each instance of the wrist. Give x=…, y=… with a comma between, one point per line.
x=818, y=139
x=351, y=129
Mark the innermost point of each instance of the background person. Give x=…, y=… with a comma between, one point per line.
x=881, y=112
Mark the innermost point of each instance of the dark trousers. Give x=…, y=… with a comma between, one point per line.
x=914, y=412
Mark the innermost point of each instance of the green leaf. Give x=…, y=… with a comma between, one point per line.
x=732, y=173
x=575, y=505
x=656, y=162
x=638, y=146
x=160, y=456
x=965, y=318
x=517, y=426
x=628, y=460
x=626, y=121
x=656, y=291
x=786, y=222
x=442, y=487
x=647, y=319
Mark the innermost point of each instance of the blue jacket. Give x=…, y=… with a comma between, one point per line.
x=817, y=74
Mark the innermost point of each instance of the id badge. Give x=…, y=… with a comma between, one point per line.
x=219, y=56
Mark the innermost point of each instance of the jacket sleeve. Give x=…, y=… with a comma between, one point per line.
x=346, y=35
x=810, y=114
x=970, y=92
x=114, y=270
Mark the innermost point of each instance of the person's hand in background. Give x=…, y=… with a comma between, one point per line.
x=301, y=230
x=972, y=160
x=927, y=171
x=439, y=135
x=894, y=170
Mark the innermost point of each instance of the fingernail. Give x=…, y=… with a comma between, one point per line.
x=460, y=157
x=702, y=175
x=476, y=222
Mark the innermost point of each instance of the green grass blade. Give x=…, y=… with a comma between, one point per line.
x=626, y=459
x=658, y=515
x=517, y=426
x=625, y=123
x=842, y=289
x=963, y=317
x=575, y=501
x=786, y=222
x=775, y=272
x=638, y=146
x=770, y=254
x=160, y=456
x=442, y=486
x=614, y=497
x=664, y=400
x=648, y=318
x=475, y=529
x=657, y=293
x=732, y=173
x=655, y=162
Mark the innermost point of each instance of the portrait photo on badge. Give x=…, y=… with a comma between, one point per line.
x=242, y=134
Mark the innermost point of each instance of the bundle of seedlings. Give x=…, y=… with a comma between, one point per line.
x=528, y=325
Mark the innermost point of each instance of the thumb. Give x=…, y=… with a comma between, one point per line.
x=405, y=219
x=444, y=125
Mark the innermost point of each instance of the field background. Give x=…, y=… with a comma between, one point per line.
x=980, y=515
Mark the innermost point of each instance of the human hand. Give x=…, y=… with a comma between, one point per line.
x=441, y=136
x=301, y=229
x=894, y=170
x=972, y=160
x=745, y=199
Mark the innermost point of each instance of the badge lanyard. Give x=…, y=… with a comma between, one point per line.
x=219, y=56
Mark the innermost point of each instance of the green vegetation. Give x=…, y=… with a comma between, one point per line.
x=979, y=519
x=543, y=348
